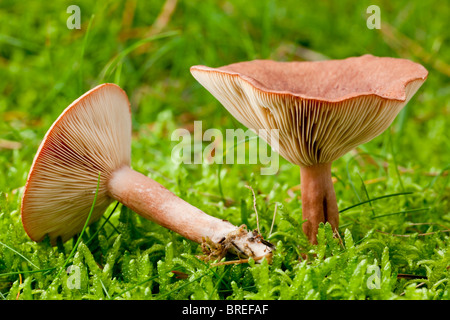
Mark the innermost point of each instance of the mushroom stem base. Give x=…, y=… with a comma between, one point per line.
x=154, y=202
x=318, y=199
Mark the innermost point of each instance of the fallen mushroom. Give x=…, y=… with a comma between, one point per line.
x=321, y=109
x=91, y=137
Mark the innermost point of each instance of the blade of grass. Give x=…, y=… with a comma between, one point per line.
x=394, y=159
x=104, y=289
x=118, y=73
x=83, y=49
x=437, y=176
x=54, y=91
x=266, y=28
x=20, y=43
x=367, y=194
x=373, y=199
x=83, y=230
x=244, y=212
x=349, y=177
x=219, y=168
x=134, y=287
x=25, y=271
x=208, y=266
x=103, y=224
x=274, y=217
x=254, y=208
x=180, y=287
x=109, y=67
x=386, y=215
x=219, y=281
x=140, y=283
x=19, y=254
x=400, y=212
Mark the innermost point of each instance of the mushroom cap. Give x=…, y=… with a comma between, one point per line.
x=321, y=109
x=91, y=136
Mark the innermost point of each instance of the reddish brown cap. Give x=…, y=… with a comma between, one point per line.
x=92, y=135
x=322, y=109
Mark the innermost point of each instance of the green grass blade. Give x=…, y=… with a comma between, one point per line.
x=350, y=180
x=103, y=224
x=25, y=272
x=83, y=49
x=19, y=254
x=118, y=58
x=83, y=230
x=400, y=212
x=373, y=199
x=431, y=184
x=367, y=194
x=219, y=168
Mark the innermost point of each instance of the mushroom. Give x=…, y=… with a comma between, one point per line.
x=320, y=110
x=92, y=139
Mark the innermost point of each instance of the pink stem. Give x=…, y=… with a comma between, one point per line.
x=154, y=202
x=318, y=199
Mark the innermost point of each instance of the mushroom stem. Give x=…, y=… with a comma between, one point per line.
x=318, y=199
x=154, y=202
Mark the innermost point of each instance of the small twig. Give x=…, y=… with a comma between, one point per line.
x=7, y=144
x=427, y=224
x=406, y=46
x=410, y=224
x=298, y=52
x=273, y=219
x=410, y=276
x=163, y=18
x=160, y=23
x=409, y=235
x=180, y=275
x=254, y=206
x=228, y=201
x=435, y=174
x=418, y=286
x=128, y=14
x=338, y=235
x=236, y=261
x=20, y=282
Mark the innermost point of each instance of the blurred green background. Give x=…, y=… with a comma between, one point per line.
x=44, y=65
x=147, y=47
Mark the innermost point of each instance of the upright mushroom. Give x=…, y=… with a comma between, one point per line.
x=321, y=110
x=92, y=136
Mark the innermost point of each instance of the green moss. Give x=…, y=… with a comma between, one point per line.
x=393, y=195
